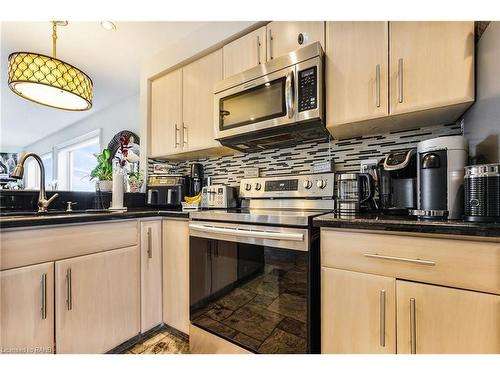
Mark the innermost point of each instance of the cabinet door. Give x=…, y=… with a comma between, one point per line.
x=176, y=274
x=245, y=53
x=27, y=309
x=356, y=71
x=357, y=312
x=166, y=114
x=97, y=301
x=431, y=65
x=199, y=79
x=151, y=263
x=435, y=319
x=287, y=36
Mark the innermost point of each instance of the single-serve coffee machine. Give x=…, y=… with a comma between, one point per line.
x=397, y=182
x=440, y=177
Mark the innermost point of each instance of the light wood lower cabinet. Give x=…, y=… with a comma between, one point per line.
x=358, y=312
x=27, y=309
x=176, y=274
x=97, y=301
x=151, y=274
x=434, y=319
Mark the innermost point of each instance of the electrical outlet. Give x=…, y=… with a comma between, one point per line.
x=368, y=165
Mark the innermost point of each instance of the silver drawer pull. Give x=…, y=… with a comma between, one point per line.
x=413, y=327
x=150, y=250
x=382, y=318
x=399, y=259
x=69, y=297
x=44, y=296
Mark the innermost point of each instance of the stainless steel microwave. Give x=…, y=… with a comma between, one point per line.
x=275, y=104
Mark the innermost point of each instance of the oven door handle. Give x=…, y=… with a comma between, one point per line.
x=248, y=233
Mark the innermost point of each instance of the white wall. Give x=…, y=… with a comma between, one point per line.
x=204, y=40
x=482, y=121
x=123, y=115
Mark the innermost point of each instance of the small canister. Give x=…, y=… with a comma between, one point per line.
x=482, y=193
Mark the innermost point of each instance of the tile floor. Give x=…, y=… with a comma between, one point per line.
x=163, y=342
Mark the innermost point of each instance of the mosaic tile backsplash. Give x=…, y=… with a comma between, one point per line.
x=346, y=154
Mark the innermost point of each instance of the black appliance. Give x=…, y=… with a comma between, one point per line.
x=196, y=179
x=397, y=182
x=255, y=271
x=482, y=193
x=166, y=191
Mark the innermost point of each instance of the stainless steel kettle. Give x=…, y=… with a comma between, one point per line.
x=354, y=192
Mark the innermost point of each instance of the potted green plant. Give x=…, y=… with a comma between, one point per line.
x=135, y=181
x=103, y=172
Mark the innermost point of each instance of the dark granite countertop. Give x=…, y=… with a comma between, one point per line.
x=378, y=221
x=61, y=217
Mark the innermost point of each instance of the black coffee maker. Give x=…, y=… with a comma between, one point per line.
x=196, y=179
x=397, y=182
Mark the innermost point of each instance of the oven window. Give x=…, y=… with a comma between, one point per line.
x=256, y=104
x=255, y=296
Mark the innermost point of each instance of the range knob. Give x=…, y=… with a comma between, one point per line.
x=248, y=187
x=307, y=184
x=258, y=186
x=321, y=184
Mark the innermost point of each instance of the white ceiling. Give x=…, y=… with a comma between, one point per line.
x=111, y=58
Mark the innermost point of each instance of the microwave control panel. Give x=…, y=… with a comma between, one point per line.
x=308, y=89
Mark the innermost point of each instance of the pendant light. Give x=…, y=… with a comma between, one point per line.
x=49, y=81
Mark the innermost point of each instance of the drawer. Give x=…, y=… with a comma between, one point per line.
x=21, y=247
x=459, y=263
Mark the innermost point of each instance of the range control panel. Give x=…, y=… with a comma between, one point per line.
x=302, y=186
x=308, y=89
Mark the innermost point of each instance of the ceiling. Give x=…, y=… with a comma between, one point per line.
x=111, y=58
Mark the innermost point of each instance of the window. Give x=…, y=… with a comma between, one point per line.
x=32, y=172
x=74, y=163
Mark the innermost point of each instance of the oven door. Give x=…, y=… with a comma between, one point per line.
x=250, y=285
x=262, y=103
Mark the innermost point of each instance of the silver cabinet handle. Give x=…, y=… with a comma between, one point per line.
x=400, y=80
x=382, y=317
x=377, y=84
x=69, y=296
x=184, y=134
x=150, y=250
x=271, y=45
x=399, y=259
x=44, y=296
x=176, y=133
x=289, y=94
x=413, y=327
x=258, y=50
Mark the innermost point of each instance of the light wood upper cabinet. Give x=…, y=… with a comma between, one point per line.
x=446, y=320
x=245, y=53
x=151, y=274
x=27, y=309
x=199, y=79
x=287, y=36
x=166, y=114
x=356, y=71
x=176, y=274
x=357, y=312
x=97, y=301
x=431, y=65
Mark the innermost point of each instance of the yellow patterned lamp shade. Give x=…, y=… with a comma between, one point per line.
x=49, y=81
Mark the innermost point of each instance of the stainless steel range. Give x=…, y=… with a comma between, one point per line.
x=254, y=271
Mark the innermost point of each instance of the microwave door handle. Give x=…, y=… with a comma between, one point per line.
x=249, y=233
x=289, y=94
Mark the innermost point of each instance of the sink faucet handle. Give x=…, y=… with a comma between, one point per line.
x=43, y=204
x=69, y=206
